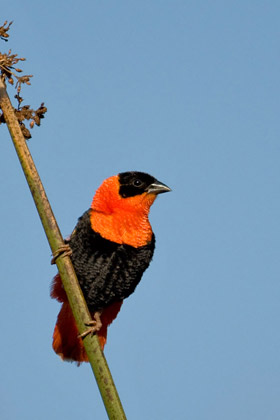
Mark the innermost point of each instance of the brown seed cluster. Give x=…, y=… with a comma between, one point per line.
x=4, y=30
x=9, y=72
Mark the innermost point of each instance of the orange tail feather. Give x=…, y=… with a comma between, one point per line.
x=57, y=290
x=66, y=342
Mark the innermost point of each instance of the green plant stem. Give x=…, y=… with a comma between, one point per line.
x=75, y=296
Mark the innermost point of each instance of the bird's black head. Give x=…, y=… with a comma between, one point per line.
x=136, y=183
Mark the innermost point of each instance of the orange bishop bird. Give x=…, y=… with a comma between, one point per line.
x=112, y=245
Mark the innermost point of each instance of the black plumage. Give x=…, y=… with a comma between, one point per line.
x=134, y=183
x=107, y=272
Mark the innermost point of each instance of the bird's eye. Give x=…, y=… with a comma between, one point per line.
x=137, y=183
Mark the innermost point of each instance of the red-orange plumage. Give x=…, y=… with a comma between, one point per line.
x=121, y=220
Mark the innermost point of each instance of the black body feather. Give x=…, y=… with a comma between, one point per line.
x=107, y=272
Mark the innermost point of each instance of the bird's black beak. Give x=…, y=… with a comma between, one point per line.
x=157, y=188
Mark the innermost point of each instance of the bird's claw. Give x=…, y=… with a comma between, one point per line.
x=62, y=251
x=95, y=325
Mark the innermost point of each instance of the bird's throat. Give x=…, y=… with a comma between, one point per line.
x=122, y=227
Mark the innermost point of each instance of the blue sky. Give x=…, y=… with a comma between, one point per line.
x=189, y=92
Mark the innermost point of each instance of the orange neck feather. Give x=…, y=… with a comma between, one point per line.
x=121, y=220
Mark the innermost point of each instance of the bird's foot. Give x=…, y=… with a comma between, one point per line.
x=94, y=325
x=62, y=251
